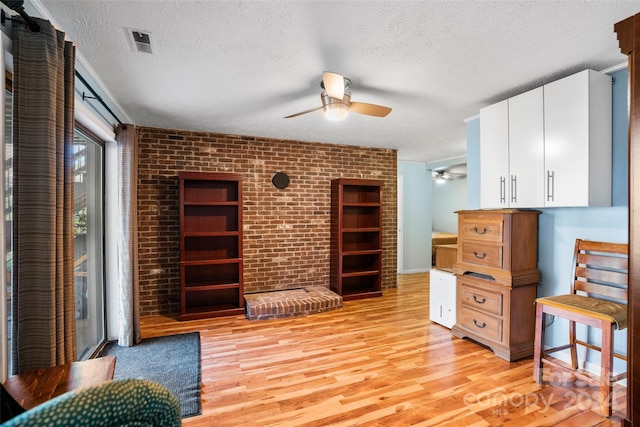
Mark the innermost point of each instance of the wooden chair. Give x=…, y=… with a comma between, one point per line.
x=598, y=298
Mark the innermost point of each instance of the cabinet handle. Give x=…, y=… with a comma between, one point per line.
x=503, y=189
x=478, y=301
x=550, y=185
x=483, y=256
x=475, y=322
x=514, y=189
x=484, y=230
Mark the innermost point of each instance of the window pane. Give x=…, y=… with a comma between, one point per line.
x=8, y=216
x=88, y=243
x=88, y=240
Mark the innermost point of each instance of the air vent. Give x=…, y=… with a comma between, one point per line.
x=141, y=41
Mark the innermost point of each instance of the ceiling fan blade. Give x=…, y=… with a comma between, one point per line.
x=369, y=109
x=333, y=84
x=304, y=112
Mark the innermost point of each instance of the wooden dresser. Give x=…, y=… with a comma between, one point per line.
x=497, y=278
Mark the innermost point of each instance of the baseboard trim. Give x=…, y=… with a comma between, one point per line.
x=418, y=270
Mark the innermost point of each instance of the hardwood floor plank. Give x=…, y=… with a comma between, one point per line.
x=375, y=362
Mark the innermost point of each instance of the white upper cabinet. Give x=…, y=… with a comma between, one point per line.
x=526, y=150
x=494, y=155
x=577, y=129
x=512, y=151
x=549, y=147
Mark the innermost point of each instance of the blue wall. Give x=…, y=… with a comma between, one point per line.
x=559, y=227
x=447, y=198
x=473, y=164
x=416, y=248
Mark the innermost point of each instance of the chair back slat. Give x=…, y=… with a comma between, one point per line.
x=607, y=277
x=609, y=260
x=592, y=246
x=601, y=269
x=592, y=289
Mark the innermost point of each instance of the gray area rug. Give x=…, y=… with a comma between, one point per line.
x=173, y=361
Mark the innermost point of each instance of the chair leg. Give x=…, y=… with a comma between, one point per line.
x=572, y=343
x=606, y=385
x=538, y=343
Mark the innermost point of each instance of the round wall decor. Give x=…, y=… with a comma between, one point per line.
x=280, y=180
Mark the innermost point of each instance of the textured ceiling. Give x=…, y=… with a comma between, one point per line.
x=240, y=67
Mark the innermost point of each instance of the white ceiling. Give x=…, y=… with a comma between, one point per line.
x=240, y=67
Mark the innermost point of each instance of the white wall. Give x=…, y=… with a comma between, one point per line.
x=447, y=198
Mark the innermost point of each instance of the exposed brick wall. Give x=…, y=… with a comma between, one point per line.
x=286, y=232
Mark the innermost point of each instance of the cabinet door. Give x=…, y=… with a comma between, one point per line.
x=494, y=155
x=577, y=113
x=526, y=150
x=566, y=115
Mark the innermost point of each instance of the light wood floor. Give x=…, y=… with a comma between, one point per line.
x=375, y=362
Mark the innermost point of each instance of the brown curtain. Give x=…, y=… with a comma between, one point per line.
x=129, y=298
x=43, y=85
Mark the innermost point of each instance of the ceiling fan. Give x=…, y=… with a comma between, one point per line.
x=336, y=100
x=442, y=175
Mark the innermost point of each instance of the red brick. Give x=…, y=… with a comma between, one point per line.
x=290, y=225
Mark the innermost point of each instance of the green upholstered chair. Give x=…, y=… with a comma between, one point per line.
x=131, y=402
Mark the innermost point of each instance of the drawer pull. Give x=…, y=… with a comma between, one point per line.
x=484, y=230
x=475, y=322
x=478, y=301
x=483, y=256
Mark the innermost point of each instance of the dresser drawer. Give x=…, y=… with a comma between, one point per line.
x=477, y=253
x=481, y=299
x=482, y=324
x=481, y=227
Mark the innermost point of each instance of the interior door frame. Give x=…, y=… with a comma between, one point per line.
x=400, y=243
x=628, y=32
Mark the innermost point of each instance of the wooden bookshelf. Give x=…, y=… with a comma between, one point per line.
x=210, y=245
x=356, y=238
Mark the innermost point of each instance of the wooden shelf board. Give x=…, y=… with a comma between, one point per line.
x=211, y=287
x=360, y=273
x=361, y=204
x=230, y=233
x=362, y=252
x=212, y=203
x=212, y=261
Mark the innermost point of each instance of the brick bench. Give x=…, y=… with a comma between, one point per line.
x=291, y=303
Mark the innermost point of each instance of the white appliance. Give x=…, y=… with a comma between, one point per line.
x=442, y=298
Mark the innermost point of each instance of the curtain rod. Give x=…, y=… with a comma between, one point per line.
x=16, y=5
x=35, y=28
x=96, y=97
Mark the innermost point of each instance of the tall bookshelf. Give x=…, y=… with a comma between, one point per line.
x=356, y=238
x=210, y=245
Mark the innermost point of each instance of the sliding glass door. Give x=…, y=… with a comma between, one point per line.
x=88, y=226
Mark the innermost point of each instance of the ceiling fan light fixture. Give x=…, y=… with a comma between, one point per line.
x=336, y=100
x=335, y=109
x=440, y=179
x=336, y=112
